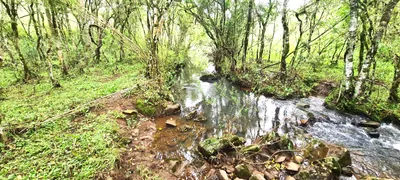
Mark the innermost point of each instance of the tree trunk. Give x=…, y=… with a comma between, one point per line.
x=365, y=69
x=263, y=30
x=394, y=90
x=348, y=55
x=12, y=12
x=247, y=34
x=271, y=42
x=285, y=41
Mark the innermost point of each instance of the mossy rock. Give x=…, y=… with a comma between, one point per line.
x=212, y=146
x=145, y=108
x=242, y=171
x=250, y=149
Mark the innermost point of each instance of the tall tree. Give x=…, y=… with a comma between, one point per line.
x=394, y=90
x=285, y=41
x=348, y=55
x=247, y=34
x=365, y=69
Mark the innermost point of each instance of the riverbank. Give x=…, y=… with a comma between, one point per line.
x=317, y=83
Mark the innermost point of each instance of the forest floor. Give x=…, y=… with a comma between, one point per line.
x=58, y=133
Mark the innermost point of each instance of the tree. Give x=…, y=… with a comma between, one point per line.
x=246, y=36
x=394, y=90
x=365, y=69
x=11, y=7
x=348, y=56
x=285, y=42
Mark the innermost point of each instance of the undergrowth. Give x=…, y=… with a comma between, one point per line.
x=65, y=148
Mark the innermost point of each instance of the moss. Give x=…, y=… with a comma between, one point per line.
x=145, y=107
x=212, y=146
x=376, y=110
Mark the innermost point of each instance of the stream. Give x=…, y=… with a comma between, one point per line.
x=229, y=109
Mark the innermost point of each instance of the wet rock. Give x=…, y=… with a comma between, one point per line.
x=185, y=128
x=291, y=166
x=212, y=146
x=173, y=164
x=371, y=132
x=172, y=109
x=315, y=173
x=319, y=150
x=130, y=112
x=347, y=171
x=303, y=122
x=257, y=177
x=200, y=118
x=275, y=142
x=302, y=105
x=242, y=171
x=371, y=124
x=210, y=78
x=298, y=159
x=171, y=122
x=311, y=116
x=180, y=168
x=196, y=116
x=250, y=149
x=222, y=175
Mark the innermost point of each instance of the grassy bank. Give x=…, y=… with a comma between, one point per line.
x=67, y=147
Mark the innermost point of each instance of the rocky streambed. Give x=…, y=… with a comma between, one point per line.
x=284, y=139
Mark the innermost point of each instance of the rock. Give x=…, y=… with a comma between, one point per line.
x=210, y=78
x=130, y=112
x=173, y=164
x=289, y=178
x=302, y=105
x=222, y=175
x=303, y=122
x=250, y=149
x=269, y=175
x=135, y=132
x=298, y=159
x=212, y=146
x=311, y=116
x=242, y=171
x=172, y=109
x=200, y=118
x=332, y=158
x=291, y=166
x=347, y=171
x=229, y=169
x=180, y=168
x=171, y=122
x=257, y=177
x=371, y=132
x=280, y=159
x=371, y=124
x=185, y=128
x=321, y=150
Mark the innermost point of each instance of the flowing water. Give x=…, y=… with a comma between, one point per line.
x=231, y=109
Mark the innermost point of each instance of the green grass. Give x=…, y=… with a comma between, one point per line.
x=61, y=149
x=36, y=102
